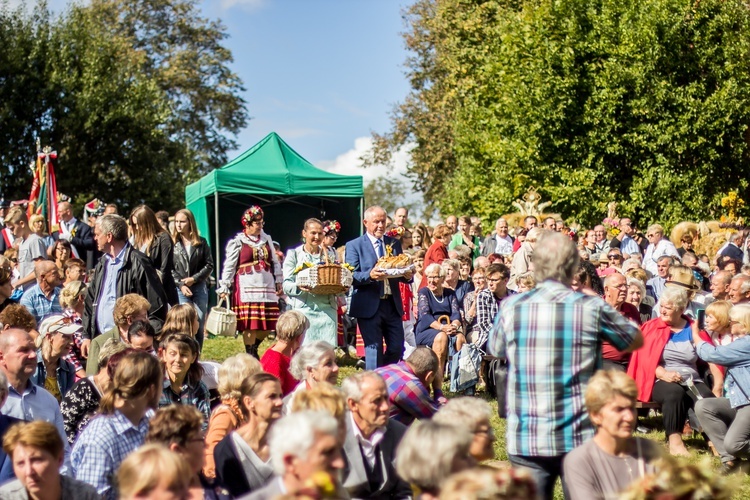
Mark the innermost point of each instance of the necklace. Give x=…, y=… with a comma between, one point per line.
x=440, y=300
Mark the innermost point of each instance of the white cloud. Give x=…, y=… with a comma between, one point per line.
x=349, y=163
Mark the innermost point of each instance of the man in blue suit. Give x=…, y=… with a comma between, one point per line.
x=376, y=299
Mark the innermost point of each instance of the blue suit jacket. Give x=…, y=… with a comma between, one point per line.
x=366, y=293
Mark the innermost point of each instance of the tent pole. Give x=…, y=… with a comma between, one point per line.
x=217, y=244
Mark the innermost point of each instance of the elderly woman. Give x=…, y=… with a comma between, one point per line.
x=726, y=421
x=228, y=416
x=430, y=452
x=463, y=237
x=636, y=293
x=472, y=414
x=438, y=251
x=290, y=333
x=252, y=270
x=439, y=316
x=611, y=461
x=313, y=363
x=666, y=369
x=453, y=279
x=320, y=310
x=36, y=451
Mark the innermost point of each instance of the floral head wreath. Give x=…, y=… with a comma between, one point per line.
x=251, y=214
x=331, y=226
x=396, y=231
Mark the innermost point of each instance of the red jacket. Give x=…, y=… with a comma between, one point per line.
x=643, y=362
x=436, y=254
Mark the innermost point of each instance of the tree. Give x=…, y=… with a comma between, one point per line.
x=641, y=102
x=390, y=194
x=136, y=97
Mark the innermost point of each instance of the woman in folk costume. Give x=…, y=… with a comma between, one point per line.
x=320, y=310
x=253, y=273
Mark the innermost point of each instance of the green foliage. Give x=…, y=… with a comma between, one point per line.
x=136, y=97
x=640, y=102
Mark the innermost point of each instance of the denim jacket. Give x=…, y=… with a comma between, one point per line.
x=736, y=357
x=66, y=374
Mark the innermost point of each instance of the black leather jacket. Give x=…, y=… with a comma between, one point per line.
x=198, y=266
x=137, y=275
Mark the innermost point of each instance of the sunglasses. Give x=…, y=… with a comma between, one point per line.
x=614, y=256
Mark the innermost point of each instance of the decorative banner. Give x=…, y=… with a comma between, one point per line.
x=43, y=199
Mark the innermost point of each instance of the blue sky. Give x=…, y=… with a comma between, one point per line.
x=321, y=73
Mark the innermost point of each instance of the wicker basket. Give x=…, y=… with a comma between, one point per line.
x=222, y=321
x=325, y=279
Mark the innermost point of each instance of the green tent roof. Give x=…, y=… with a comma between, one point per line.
x=273, y=168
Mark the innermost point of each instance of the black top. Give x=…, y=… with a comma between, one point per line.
x=79, y=406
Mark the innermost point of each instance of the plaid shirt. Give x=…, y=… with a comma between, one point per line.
x=101, y=448
x=410, y=399
x=193, y=395
x=39, y=305
x=551, y=337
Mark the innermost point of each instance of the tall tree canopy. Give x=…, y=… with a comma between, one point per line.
x=136, y=97
x=643, y=102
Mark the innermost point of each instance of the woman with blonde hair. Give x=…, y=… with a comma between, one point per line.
x=154, y=471
x=430, y=452
x=473, y=414
x=72, y=297
x=149, y=237
x=718, y=331
x=228, y=416
x=192, y=265
x=243, y=456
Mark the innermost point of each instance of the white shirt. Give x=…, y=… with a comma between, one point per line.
x=503, y=244
x=375, y=244
x=368, y=447
x=653, y=252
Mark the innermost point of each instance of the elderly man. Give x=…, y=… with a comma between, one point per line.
x=739, y=289
x=376, y=298
x=302, y=445
x=27, y=401
x=522, y=259
x=76, y=232
x=601, y=243
x=30, y=250
x=408, y=385
x=500, y=241
x=550, y=337
x=401, y=216
x=128, y=309
x=43, y=299
x=655, y=285
x=719, y=286
x=371, y=440
x=733, y=247
x=615, y=293
x=120, y=271
x=658, y=245
x=452, y=222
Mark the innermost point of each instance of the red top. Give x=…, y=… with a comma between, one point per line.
x=643, y=362
x=608, y=350
x=436, y=254
x=277, y=365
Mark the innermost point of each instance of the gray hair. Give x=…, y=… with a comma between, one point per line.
x=453, y=263
x=745, y=283
x=639, y=284
x=555, y=257
x=466, y=411
x=115, y=225
x=352, y=385
x=423, y=360
x=371, y=211
x=435, y=267
x=427, y=452
x=678, y=297
x=294, y=435
x=308, y=356
x=666, y=257
x=734, y=237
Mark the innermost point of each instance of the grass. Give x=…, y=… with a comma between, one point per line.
x=220, y=348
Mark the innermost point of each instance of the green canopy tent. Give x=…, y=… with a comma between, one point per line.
x=288, y=188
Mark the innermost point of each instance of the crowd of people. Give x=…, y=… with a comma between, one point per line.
x=104, y=392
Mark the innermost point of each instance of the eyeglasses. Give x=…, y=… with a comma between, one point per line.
x=614, y=256
x=433, y=277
